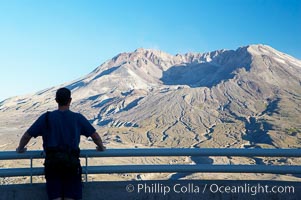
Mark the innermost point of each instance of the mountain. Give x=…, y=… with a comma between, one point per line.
x=249, y=97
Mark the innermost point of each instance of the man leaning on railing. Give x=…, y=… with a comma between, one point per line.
x=61, y=130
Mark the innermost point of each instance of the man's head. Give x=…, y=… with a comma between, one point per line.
x=63, y=96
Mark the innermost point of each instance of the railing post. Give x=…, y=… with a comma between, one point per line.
x=31, y=170
x=86, y=173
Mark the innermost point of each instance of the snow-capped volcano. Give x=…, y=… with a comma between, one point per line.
x=251, y=94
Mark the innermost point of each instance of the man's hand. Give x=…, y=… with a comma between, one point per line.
x=97, y=140
x=23, y=142
x=21, y=150
x=101, y=148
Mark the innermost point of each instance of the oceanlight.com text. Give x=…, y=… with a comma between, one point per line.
x=250, y=189
x=192, y=188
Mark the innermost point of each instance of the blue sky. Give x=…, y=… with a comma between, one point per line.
x=46, y=43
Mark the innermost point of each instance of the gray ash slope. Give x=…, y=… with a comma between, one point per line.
x=249, y=97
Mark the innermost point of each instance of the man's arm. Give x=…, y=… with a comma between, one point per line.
x=97, y=140
x=23, y=142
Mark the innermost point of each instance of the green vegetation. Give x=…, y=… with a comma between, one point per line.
x=293, y=131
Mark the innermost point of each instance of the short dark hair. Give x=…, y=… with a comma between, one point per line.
x=63, y=96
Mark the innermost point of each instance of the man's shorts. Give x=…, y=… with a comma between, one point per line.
x=66, y=187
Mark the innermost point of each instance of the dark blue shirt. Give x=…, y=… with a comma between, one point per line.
x=61, y=128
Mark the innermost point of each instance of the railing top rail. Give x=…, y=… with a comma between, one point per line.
x=142, y=152
x=105, y=169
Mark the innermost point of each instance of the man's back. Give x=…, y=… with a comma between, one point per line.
x=61, y=128
x=64, y=129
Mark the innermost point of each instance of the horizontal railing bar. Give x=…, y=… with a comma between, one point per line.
x=193, y=152
x=281, y=169
x=195, y=168
x=35, y=171
x=10, y=155
x=13, y=155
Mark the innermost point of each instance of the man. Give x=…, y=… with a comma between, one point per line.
x=61, y=130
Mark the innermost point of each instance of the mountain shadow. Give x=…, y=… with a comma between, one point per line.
x=77, y=84
x=257, y=131
x=194, y=75
x=222, y=67
x=106, y=72
x=272, y=107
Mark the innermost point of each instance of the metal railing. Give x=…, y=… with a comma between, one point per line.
x=158, y=152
